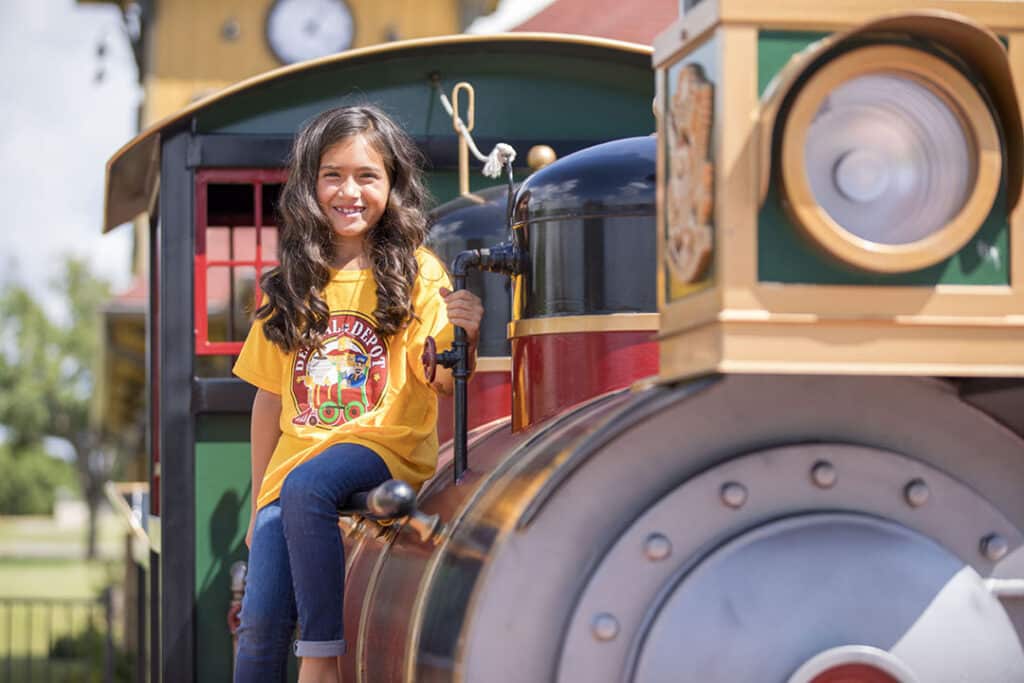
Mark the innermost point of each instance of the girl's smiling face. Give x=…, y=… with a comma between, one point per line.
x=352, y=187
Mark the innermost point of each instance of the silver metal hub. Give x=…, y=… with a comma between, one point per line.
x=804, y=579
x=764, y=604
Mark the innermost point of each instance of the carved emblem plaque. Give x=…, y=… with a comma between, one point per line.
x=690, y=183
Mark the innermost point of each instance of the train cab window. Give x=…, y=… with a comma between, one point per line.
x=235, y=243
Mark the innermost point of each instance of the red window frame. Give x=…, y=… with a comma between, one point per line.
x=257, y=178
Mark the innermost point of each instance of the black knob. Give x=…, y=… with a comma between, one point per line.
x=392, y=499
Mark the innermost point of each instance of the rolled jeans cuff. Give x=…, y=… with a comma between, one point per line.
x=319, y=648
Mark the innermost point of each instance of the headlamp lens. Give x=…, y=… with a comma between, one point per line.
x=888, y=159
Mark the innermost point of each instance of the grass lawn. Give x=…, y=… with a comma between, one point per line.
x=53, y=599
x=49, y=592
x=33, y=629
x=40, y=577
x=57, y=671
x=42, y=537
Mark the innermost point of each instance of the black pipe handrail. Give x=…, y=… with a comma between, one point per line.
x=507, y=258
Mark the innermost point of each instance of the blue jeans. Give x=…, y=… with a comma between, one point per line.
x=297, y=564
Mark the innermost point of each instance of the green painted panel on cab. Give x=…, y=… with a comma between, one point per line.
x=774, y=50
x=444, y=185
x=222, y=427
x=786, y=255
x=550, y=96
x=222, y=517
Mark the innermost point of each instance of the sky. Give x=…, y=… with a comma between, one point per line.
x=59, y=122
x=64, y=110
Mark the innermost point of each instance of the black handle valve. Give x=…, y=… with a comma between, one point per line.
x=431, y=359
x=394, y=500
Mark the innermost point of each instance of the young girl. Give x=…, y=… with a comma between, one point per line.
x=342, y=402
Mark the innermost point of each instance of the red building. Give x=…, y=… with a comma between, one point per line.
x=636, y=22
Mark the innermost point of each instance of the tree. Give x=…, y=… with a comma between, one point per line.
x=47, y=375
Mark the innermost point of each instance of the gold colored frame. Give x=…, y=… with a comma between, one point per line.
x=963, y=100
x=494, y=364
x=741, y=324
x=566, y=324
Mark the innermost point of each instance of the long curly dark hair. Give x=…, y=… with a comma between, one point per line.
x=295, y=314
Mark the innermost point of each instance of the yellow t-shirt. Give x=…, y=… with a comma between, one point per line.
x=360, y=388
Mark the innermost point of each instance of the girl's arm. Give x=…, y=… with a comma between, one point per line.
x=264, y=431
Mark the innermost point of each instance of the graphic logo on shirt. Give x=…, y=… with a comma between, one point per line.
x=345, y=378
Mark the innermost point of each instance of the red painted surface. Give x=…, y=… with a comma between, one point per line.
x=854, y=673
x=605, y=19
x=489, y=396
x=552, y=372
x=228, y=251
x=154, y=382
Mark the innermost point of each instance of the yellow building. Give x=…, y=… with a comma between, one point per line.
x=188, y=48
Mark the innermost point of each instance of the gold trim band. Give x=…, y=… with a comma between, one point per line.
x=830, y=347
x=493, y=364
x=812, y=14
x=910, y=319
x=615, y=322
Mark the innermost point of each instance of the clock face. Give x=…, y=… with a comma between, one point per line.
x=305, y=29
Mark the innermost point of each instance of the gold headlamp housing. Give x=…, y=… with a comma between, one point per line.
x=864, y=188
x=889, y=157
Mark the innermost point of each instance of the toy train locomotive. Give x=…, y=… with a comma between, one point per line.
x=765, y=367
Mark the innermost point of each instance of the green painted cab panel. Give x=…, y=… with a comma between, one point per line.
x=522, y=91
x=786, y=255
x=444, y=185
x=222, y=517
x=222, y=427
x=774, y=50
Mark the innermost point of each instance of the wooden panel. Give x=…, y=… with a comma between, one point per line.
x=165, y=95
x=379, y=22
x=189, y=44
x=813, y=14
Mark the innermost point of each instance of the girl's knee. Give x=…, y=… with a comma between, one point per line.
x=302, y=485
x=264, y=631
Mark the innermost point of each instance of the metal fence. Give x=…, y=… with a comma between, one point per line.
x=55, y=640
